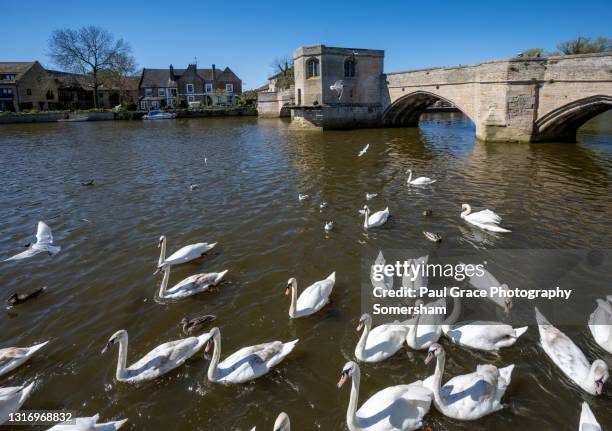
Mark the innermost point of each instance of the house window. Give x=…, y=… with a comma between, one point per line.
x=143, y=105
x=312, y=68
x=229, y=88
x=208, y=88
x=173, y=92
x=8, y=77
x=28, y=91
x=189, y=88
x=191, y=98
x=161, y=92
x=50, y=95
x=155, y=104
x=148, y=92
x=6, y=92
x=349, y=68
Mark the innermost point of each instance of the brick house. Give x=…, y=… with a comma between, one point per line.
x=26, y=85
x=168, y=87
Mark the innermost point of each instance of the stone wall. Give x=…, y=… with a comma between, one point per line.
x=273, y=104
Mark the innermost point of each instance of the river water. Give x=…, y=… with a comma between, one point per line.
x=554, y=196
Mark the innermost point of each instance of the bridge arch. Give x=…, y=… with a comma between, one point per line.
x=406, y=110
x=561, y=124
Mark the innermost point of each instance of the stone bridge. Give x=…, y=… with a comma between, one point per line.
x=539, y=99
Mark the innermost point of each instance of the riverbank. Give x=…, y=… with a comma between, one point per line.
x=101, y=115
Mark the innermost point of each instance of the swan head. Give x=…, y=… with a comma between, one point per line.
x=598, y=374
x=347, y=371
x=282, y=422
x=289, y=285
x=114, y=339
x=434, y=351
x=364, y=320
x=161, y=241
x=210, y=343
x=465, y=207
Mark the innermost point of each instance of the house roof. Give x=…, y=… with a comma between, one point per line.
x=69, y=80
x=262, y=89
x=161, y=77
x=227, y=75
x=16, y=67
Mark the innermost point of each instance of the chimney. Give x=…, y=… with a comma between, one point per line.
x=172, y=72
x=213, y=75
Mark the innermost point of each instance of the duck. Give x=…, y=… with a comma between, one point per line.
x=12, y=398
x=588, y=422
x=190, y=286
x=281, y=423
x=570, y=359
x=377, y=219
x=88, y=424
x=486, y=219
x=420, y=181
x=381, y=342
x=370, y=196
x=193, y=187
x=159, y=361
x=12, y=357
x=312, y=299
x=363, y=150
x=323, y=205
x=485, y=282
x=182, y=255
x=395, y=408
x=600, y=323
x=328, y=226
x=189, y=325
x=20, y=298
x=43, y=244
x=89, y=182
x=468, y=396
x=432, y=236
x=247, y=363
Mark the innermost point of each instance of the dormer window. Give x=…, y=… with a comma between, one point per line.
x=190, y=88
x=349, y=68
x=312, y=68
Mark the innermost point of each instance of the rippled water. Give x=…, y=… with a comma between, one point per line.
x=553, y=196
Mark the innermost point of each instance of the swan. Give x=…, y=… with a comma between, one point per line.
x=281, y=424
x=422, y=336
x=420, y=181
x=370, y=196
x=380, y=343
x=12, y=398
x=312, y=299
x=485, y=283
x=587, y=419
x=600, y=323
x=302, y=197
x=480, y=335
x=328, y=226
x=363, y=151
x=386, y=282
x=485, y=219
x=12, y=357
x=377, y=219
x=191, y=285
x=183, y=255
x=395, y=408
x=88, y=424
x=570, y=359
x=44, y=243
x=247, y=363
x=468, y=396
x=159, y=361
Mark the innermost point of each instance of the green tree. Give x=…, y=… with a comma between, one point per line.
x=248, y=98
x=585, y=45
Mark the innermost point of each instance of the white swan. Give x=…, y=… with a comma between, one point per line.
x=570, y=359
x=600, y=323
x=247, y=363
x=485, y=219
x=12, y=357
x=377, y=219
x=183, y=255
x=370, y=196
x=282, y=423
x=481, y=335
x=363, y=151
x=467, y=396
x=396, y=408
x=89, y=424
x=302, y=197
x=423, y=333
x=159, y=361
x=44, y=243
x=12, y=398
x=386, y=282
x=380, y=343
x=485, y=283
x=588, y=422
x=191, y=285
x=420, y=181
x=312, y=299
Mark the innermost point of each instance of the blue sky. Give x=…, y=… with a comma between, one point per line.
x=248, y=35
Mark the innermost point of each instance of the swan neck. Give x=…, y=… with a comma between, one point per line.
x=366, y=215
x=364, y=337
x=412, y=333
x=212, y=369
x=164, y=283
x=454, y=316
x=409, y=175
x=351, y=412
x=437, y=380
x=122, y=358
x=293, y=306
x=162, y=253
x=466, y=211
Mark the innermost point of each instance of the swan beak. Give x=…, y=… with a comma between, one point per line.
x=342, y=380
x=208, y=345
x=106, y=347
x=429, y=357
x=360, y=326
x=287, y=290
x=598, y=387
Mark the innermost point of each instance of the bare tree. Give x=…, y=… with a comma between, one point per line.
x=91, y=51
x=284, y=67
x=585, y=45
